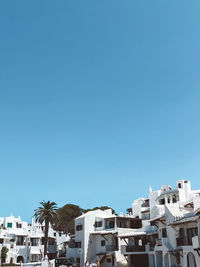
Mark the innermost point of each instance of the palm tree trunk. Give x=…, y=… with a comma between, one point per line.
x=46, y=231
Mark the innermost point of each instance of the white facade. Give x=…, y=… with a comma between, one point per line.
x=165, y=232
x=25, y=241
x=175, y=240
x=96, y=238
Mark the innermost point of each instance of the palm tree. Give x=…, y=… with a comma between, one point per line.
x=46, y=213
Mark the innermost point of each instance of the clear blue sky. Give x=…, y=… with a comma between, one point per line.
x=98, y=100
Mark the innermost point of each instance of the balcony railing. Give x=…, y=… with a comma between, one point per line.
x=180, y=242
x=20, y=243
x=135, y=248
x=111, y=248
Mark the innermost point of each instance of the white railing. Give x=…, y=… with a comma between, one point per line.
x=45, y=263
x=31, y=264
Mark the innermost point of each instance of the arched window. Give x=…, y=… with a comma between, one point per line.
x=20, y=259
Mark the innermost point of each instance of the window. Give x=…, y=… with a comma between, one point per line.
x=174, y=199
x=109, y=260
x=78, y=260
x=98, y=224
x=54, y=234
x=122, y=224
x=162, y=202
x=60, y=234
x=179, y=185
x=103, y=243
x=18, y=225
x=79, y=227
x=77, y=244
x=34, y=241
x=20, y=241
x=164, y=232
x=34, y=258
x=110, y=224
x=51, y=241
x=1, y=241
x=9, y=225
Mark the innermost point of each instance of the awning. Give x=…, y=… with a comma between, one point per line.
x=35, y=251
x=126, y=235
x=152, y=233
x=157, y=219
x=104, y=232
x=174, y=250
x=105, y=254
x=186, y=220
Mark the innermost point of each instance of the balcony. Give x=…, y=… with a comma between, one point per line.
x=111, y=248
x=180, y=242
x=110, y=225
x=20, y=243
x=129, y=249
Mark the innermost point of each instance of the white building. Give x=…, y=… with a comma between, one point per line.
x=174, y=239
x=163, y=231
x=96, y=238
x=25, y=241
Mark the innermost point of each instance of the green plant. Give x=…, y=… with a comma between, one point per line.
x=4, y=252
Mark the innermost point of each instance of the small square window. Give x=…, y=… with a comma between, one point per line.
x=103, y=243
x=18, y=225
x=79, y=227
x=108, y=260
x=9, y=225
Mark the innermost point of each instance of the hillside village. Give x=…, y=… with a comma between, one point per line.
x=162, y=230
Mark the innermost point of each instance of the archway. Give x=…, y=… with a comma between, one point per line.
x=20, y=259
x=191, y=260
